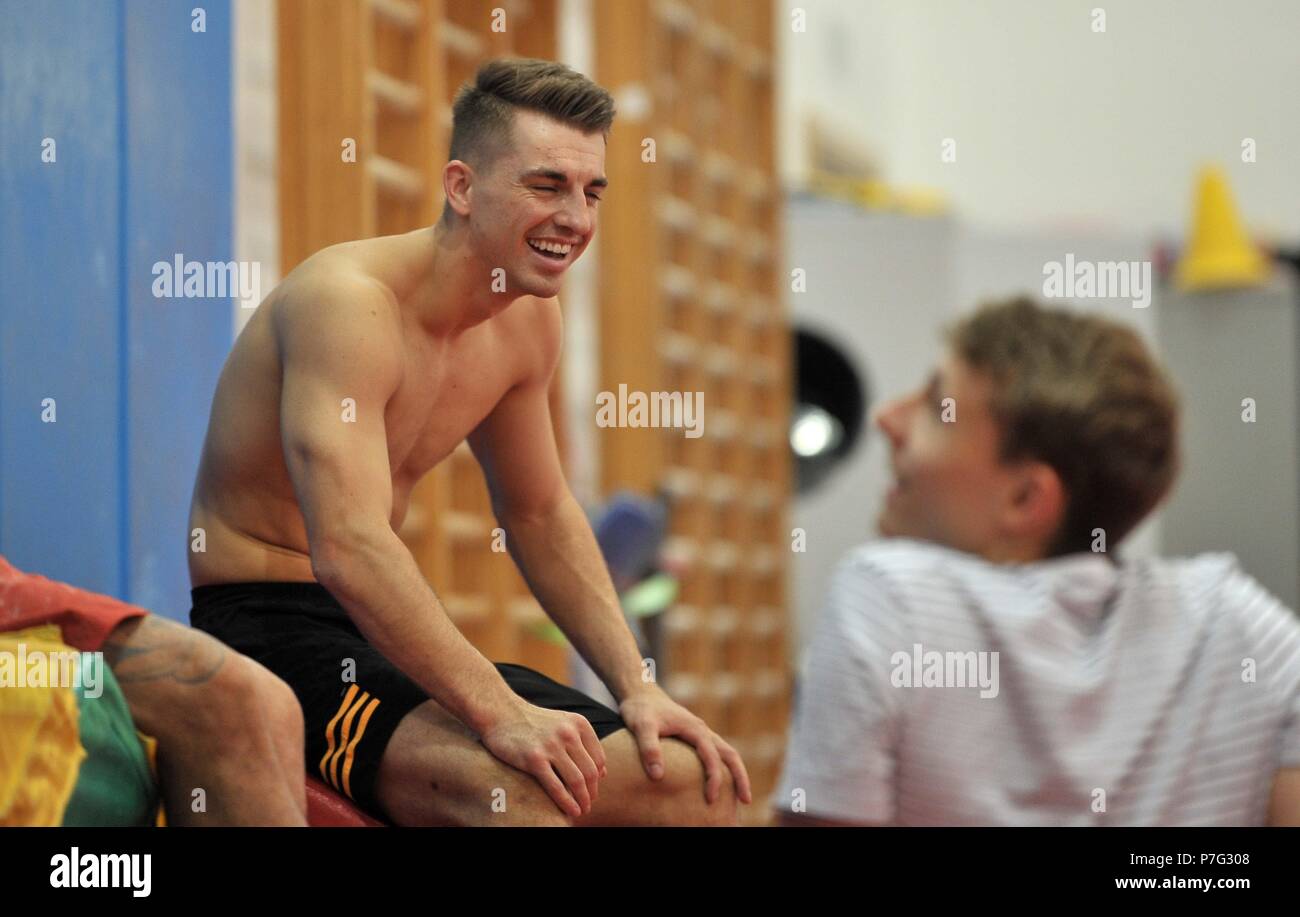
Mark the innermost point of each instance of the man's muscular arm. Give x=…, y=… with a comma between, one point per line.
x=515, y=445
x=342, y=340
x=550, y=539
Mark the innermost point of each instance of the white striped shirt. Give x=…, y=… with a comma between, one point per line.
x=1152, y=692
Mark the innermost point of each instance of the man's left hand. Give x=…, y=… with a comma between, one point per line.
x=651, y=714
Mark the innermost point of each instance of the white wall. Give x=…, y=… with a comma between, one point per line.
x=1056, y=125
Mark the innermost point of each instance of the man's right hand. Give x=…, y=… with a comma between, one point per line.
x=559, y=749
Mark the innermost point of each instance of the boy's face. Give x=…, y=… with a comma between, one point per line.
x=949, y=485
x=542, y=191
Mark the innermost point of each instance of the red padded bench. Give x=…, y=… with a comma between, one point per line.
x=327, y=809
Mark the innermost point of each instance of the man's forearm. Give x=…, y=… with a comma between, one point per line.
x=377, y=581
x=561, y=561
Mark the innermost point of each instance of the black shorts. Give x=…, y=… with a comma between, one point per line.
x=302, y=634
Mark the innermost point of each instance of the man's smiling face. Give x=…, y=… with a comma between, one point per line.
x=534, y=207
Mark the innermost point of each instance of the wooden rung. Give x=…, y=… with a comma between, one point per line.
x=724, y=621
x=724, y=425
x=721, y=361
x=681, y=551
x=676, y=213
x=676, y=146
x=676, y=281
x=727, y=686
x=397, y=179
x=677, y=16
x=682, y=619
x=723, y=488
x=460, y=40
x=717, y=40
x=467, y=609
x=723, y=555
x=398, y=95
x=461, y=526
x=683, y=687
x=720, y=299
x=717, y=233
x=681, y=482
x=416, y=523
x=720, y=169
x=757, y=247
x=677, y=348
x=757, y=187
x=526, y=611
x=404, y=14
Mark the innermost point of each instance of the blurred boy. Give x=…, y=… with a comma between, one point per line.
x=992, y=662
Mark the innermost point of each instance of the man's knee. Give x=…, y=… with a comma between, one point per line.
x=275, y=699
x=184, y=685
x=684, y=779
x=435, y=772
x=243, y=694
x=531, y=807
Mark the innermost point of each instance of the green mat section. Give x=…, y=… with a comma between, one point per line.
x=114, y=786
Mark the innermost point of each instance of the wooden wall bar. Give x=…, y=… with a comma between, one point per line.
x=691, y=302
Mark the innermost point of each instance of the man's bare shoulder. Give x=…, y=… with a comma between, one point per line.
x=329, y=308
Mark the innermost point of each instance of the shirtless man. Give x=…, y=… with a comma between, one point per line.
x=301, y=492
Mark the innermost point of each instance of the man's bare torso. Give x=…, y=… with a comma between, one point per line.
x=244, y=499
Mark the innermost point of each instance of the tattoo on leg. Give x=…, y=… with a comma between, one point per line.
x=154, y=649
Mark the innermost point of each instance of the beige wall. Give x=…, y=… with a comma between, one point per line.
x=257, y=233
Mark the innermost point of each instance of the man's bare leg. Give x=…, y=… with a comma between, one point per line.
x=224, y=724
x=436, y=772
x=629, y=797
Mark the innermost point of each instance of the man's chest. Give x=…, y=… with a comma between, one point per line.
x=443, y=398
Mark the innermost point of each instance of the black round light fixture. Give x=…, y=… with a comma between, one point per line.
x=830, y=406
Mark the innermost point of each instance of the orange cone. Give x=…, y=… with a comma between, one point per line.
x=1219, y=254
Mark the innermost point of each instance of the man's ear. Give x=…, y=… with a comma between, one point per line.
x=457, y=183
x=1038, y=501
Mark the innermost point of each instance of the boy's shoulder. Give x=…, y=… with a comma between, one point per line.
x=901, y=561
